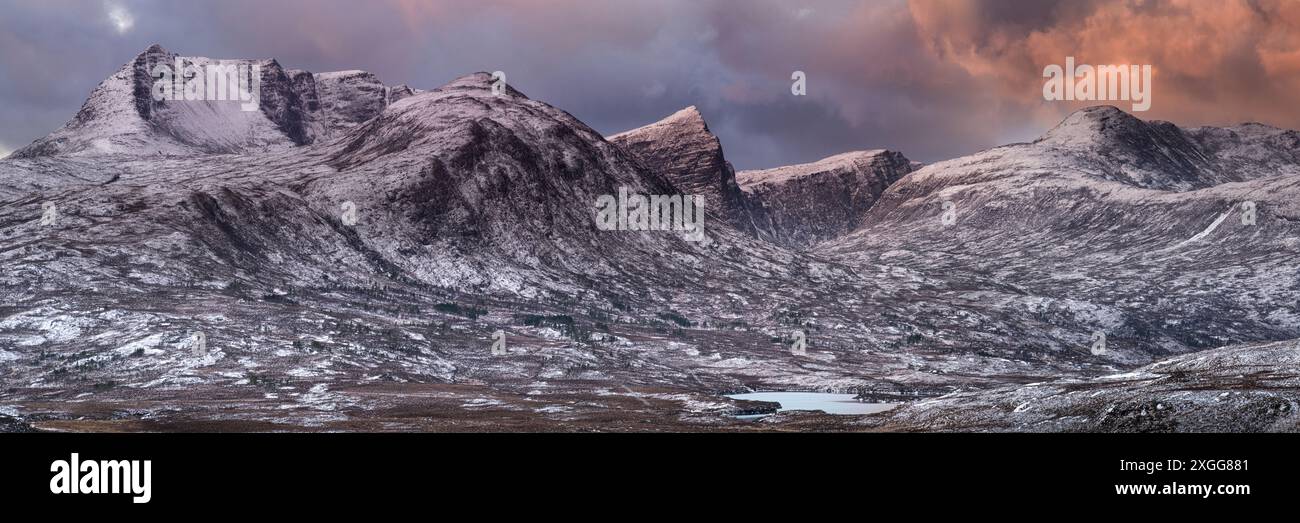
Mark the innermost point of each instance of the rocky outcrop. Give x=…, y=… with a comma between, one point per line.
x=348, y=99
x=401, y=92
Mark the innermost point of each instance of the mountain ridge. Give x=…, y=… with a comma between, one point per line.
x=818, y=201
x=362, y=278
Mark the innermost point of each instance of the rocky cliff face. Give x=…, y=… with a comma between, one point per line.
x=121, y=116
x=396, y=94
x=793, y=206
x=809, y=203
x=682, y=149
x=349, y=99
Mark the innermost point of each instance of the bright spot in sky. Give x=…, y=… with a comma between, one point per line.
x=4, y=150
x=120, y=17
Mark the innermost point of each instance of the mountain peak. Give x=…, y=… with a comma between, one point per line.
x=689, y=118
x=682, y=149
x=686, y=121
x=689, y=114
x=152, y=50
x=1151, y=154
x=1089, y=124
x=480, y=81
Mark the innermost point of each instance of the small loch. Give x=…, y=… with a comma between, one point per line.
x=829, y=403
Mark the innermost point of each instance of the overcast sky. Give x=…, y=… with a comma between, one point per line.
x=934, y=79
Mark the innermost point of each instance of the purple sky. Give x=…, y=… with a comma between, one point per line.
x=931, y=78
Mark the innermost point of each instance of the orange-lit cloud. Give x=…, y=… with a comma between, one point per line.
x=1217, y=62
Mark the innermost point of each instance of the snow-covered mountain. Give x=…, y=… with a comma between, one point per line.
x=807, y=203
x=122, y=117
x=1161, y=155
x=474, y=190
x=1108, y=224
x=350, y=254
x=682, y=149
x=794, y=206
x=393, y=252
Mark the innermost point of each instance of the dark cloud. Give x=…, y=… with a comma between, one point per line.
x=934, y=79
